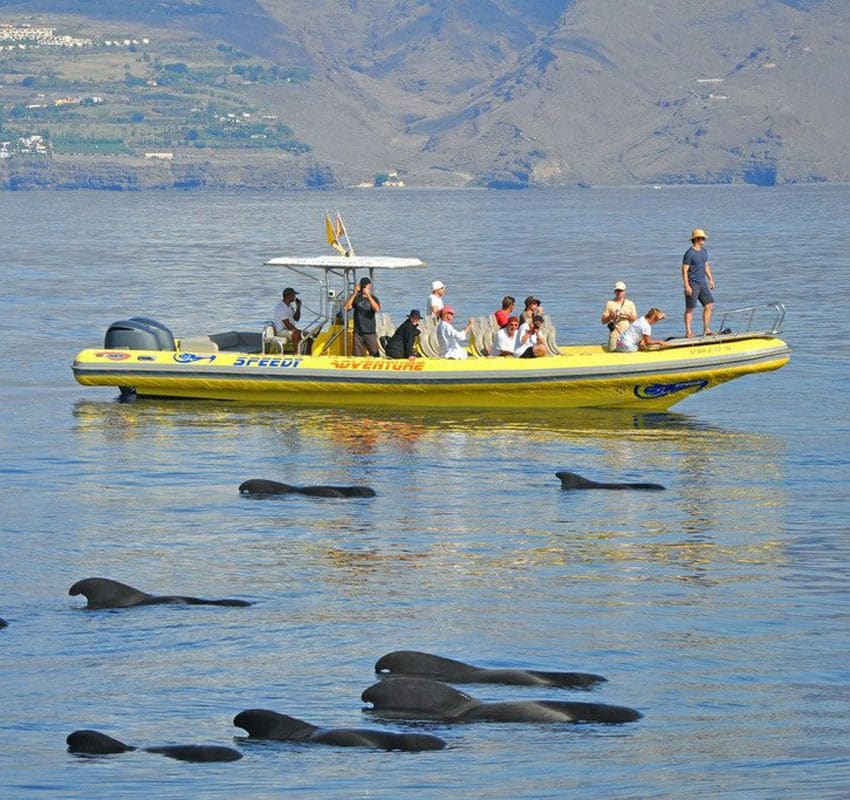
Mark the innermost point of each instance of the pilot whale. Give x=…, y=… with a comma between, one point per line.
x=95, y=743
x=106, y=593
x=569, y=480
x=412, y=663
x=261, y=487
x=419, y=698
x=263, y=724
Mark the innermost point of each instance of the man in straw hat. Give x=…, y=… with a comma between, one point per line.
x=698, y=281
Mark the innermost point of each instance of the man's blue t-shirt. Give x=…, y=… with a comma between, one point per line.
x=696, y=261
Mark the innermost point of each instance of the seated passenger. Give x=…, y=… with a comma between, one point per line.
x=401, y=343
x=532, y=307
x=638, y=336
x=530, y=342
x=451, y=343
x=507, y=339
x=286, y=313
x=505, y=311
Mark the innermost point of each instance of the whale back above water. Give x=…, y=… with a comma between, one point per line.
x=95, y=743
x=260, y=487
x=571, y=480
x=261, y=723
x=428, y=699
x=197, y=753
x=107, y=593
x=419, y=698
x=413, y=663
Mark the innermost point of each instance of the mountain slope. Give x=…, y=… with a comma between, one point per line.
x=511, y=93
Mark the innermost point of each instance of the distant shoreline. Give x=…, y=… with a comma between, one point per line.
x=264, y=173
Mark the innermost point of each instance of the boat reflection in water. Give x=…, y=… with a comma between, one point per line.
x=465, y=496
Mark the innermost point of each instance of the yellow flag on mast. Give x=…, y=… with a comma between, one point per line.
x=331, y=234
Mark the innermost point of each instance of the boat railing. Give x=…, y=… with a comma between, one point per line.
x=764, y=319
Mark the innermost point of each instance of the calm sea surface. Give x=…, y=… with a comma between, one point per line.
x=719, y=608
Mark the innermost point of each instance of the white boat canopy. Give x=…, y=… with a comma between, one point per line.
x=346, y=262
x=341, y=271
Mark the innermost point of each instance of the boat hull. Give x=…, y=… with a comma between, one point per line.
x=581, y=377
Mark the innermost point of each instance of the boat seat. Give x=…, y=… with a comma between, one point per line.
x=384, y=329
x=238, y=341
x=196, y=344
x=426, y=342
x=483, y=335
x=548, y=333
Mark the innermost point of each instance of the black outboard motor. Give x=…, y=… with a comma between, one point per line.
x=163, y=335
x=138, y=333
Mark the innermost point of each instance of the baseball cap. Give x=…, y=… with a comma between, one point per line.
x=620, y=285
x=289, y=290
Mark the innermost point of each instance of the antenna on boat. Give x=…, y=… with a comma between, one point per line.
x=336, y=231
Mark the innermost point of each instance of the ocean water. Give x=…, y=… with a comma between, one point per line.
x=718, y=608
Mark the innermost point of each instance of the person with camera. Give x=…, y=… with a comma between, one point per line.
x=531, y=343
x=618, y=314
x=286, y=313
x=365, y=305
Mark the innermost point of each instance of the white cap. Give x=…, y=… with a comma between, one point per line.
x=620, y=285
x=437, y=285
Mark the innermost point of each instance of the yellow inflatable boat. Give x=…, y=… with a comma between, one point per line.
x=142, y=357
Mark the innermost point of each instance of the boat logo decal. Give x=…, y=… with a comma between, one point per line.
x=113, y=356
x=191, y=358
x=395, y=366
x=255, y=361
x=655, y=390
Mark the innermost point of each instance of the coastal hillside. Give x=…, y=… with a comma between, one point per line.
x=497, y=93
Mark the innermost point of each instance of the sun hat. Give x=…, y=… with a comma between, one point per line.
x=619, y=285
x=437, y=285
x=414, y=312
x=698, y=233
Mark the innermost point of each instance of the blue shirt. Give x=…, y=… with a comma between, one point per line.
x=695, y=260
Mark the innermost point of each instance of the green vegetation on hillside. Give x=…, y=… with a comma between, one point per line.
x=123, y=95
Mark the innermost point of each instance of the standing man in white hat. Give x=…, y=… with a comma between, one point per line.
x=618, y=314
x=698, y=281
x=435, y=299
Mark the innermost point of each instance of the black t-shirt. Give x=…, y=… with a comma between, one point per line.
x=364, y=314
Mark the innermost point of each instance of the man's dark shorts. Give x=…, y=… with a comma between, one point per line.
x=701, y=292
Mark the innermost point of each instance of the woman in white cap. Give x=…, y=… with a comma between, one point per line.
x=435, y=300
x=619, y=313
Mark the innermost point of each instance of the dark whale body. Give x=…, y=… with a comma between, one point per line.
x=418, y=698
x=95, y=743
x=106, y=593
x=569, y=480
x=263, y=724
x=3, y=623
x=412, y=663
x=260, y=487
